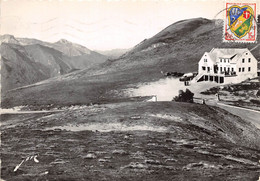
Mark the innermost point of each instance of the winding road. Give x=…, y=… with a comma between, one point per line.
x=247, y=114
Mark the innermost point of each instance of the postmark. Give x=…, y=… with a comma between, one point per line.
x=240, y=23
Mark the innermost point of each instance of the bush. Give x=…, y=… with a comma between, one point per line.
x=258, y=93
x=236, y=94
x=186, y=96
x=210, y=91
x=255, y=101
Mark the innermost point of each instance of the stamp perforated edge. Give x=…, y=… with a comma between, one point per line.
x=224, y=20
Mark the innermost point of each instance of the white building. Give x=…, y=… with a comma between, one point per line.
x=227, y=65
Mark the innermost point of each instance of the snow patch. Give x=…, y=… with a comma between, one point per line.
x=164, y=89
x=108, y=127
x=167, y=116
x=167, y=88
x=153, y=46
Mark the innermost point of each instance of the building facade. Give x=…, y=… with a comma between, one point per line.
x=227, y=65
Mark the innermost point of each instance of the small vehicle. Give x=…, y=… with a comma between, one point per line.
x=187, y=77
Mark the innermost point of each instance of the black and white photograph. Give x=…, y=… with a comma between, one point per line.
x=130, y=90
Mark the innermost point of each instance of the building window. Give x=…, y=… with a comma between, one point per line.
x=246, y=53
x=221, y=69
x=239, y=69
x=205, y=60
x=249, y=60
x=203, y=68
x=243, y=60
x=232, y=69
x=224, y=60
x=243, y=69
x=249, y=69
x=208, y=69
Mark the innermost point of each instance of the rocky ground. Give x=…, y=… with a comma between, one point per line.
x=130, y=141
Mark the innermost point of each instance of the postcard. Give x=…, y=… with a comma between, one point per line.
x=130, y=90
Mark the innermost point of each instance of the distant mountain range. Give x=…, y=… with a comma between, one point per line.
x=64, y=46
x=26, y=61
x=114, y=53
x=178, y=47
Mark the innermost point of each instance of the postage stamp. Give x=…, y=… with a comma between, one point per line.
x=240, y=22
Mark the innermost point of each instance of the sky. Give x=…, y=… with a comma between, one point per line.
x=99, y=24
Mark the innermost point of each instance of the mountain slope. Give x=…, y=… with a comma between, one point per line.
x=86, y=60
x=17, y=68
x=25, y=65
x=178, y=47
x=114, y=53
x=51, y=58
x=80, y=56
x=75, y=55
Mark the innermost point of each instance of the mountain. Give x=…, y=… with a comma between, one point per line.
x=69, y=48
x=27, y=64
x=8, y=39
x=31, y=41
x=76, y=55
x=17, y=67
x=55, y=61
x=50, y=59
x=114, y=53
x=81, y=57
x=178, y=47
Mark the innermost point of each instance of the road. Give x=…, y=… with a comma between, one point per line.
x=246, y=114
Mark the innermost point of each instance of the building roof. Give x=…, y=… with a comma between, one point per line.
x=231, y=53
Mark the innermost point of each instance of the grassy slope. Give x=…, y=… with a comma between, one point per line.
x=181, y=45
x=87, y=60
x=184, y=44
x=75, y=89
x=200, y=143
